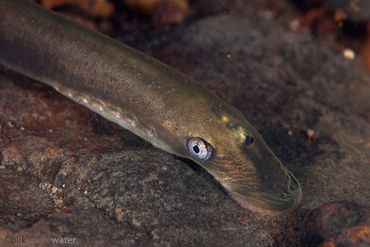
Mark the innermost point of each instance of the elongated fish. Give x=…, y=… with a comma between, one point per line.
x=147, y=97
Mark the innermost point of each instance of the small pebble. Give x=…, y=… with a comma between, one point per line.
x=266, y=14
x=155, y=234
x=54, y=190
x=311, y=134
x=349, y=54
x=136, y=222
x=294, y=24
x=119, y=212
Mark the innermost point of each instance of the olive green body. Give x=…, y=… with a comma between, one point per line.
x=145, y=96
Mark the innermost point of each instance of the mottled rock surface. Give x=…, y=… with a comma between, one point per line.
x=337, y=224
x=355, y=10
x=68, y=173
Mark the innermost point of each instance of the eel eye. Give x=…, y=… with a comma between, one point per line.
x=249, y=140
x=199, y=148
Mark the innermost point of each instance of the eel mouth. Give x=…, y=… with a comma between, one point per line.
x=271, y=203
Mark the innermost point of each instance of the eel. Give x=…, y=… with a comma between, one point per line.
x=148, y=98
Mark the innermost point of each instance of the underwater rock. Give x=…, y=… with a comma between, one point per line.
x=352, y=10
x=356, y=10
x=337, y=224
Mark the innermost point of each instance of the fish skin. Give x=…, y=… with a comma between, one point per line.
x=147, y=97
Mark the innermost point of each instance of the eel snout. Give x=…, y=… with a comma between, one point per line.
x=267, y=201
x=251, y=173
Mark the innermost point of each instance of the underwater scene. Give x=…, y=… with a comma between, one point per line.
x=185, y=123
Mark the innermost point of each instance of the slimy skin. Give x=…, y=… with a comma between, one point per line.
x=148, y=98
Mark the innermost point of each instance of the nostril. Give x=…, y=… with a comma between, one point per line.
x=292, y=187
x=285, y=195
x=293, y=184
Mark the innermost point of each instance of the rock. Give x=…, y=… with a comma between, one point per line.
x=163, y=12
x=337, y=224
x=169, y=12
x=353, y=10
x=22, y=204
x=97, y=9
x=115, y=189
x=356, y=10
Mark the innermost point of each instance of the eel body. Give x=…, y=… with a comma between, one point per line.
x=148, y=98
